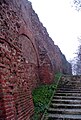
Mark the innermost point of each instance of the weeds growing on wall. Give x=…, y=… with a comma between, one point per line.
x=41, y=97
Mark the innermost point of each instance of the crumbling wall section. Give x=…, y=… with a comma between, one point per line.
x=28, y=58
x=18, y=66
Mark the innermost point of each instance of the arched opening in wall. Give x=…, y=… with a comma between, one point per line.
x=29, y=77
x=31, y=59
x=28, y=50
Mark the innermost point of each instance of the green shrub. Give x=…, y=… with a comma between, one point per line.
x=57, y=76
x=41, y=97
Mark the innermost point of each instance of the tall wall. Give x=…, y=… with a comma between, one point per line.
x=18, y=65
x=28, y=58
x=50, y=55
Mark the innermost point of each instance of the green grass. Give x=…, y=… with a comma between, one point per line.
x=41, y=97
x=57, y=76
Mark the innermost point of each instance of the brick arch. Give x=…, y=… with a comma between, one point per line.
x=32, y=45
x=31, y=58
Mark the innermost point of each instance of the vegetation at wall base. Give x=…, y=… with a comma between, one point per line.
x=41, y=97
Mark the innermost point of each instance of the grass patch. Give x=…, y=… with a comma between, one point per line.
x=57, y=76
x=41, y=97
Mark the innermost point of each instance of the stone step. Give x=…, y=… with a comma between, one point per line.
x=66, y=101
x=63, y=116
x=64, y=111
x=74, y=82
x=70, y=84
x=72, y=105
x=67, y=91
x=70, y=89
x=63, y=105
x=77, y=84
x=67, y=97
x=67, y=94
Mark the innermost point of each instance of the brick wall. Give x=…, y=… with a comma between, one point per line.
x=26, y=54
x=16, y=99
x=2, y=109
x=18, y=67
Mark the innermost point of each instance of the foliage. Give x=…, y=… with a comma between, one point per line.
x=77, y=4
x=41, y=97
x=76, y=62
x=73, y=63
x=57, y=76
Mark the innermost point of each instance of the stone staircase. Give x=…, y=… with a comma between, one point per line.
x=66, y=102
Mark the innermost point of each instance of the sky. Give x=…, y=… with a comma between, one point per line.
x=62, y=22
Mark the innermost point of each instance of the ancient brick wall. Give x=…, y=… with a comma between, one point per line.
x=48, y=51
x=28, y=58
x=18, y=66
x=15, y=87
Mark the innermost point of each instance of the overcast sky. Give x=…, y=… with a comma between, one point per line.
x=62, y=21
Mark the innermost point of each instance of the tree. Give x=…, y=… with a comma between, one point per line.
x=74, y=66
x=76, y=62
x=77, y=4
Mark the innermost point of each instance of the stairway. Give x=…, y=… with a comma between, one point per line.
x=66, y=102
